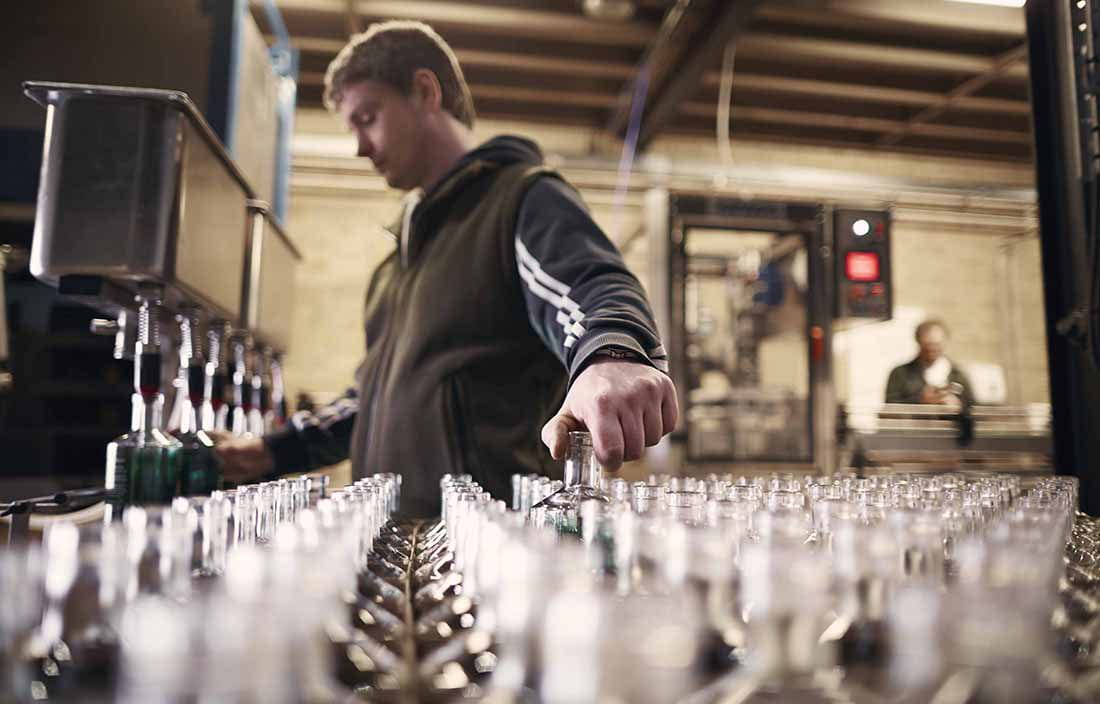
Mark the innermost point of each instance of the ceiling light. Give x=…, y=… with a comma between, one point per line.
x=1002, y=3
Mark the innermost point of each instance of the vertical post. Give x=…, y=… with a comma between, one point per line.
x=820, y=340
x=225, y=57
x=657, y=225
x=1065, y=238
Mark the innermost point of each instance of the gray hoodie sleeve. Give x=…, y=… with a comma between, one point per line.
x=580, y=296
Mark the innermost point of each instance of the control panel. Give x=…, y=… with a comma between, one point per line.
x=862, y=247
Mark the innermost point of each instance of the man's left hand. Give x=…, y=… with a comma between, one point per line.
x=626, y=406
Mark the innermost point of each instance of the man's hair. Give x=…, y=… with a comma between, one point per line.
x=391, y=52
x=928, y=325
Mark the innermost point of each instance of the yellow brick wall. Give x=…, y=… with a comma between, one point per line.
x=341, y=240
x=1028, y=341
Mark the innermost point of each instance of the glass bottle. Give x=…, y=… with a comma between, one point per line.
x=143, y=465
x=216, y=512
x=561, y=509
x=256, y=391
x=200, y=473
x=278, y=393
x=238, y=414
x=47, y=649
x=215, y=407
x=268, y=409
x=179, y=523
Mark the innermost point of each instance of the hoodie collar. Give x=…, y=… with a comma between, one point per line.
x=493, y=154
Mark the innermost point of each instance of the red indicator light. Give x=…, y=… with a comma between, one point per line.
x=861, y=266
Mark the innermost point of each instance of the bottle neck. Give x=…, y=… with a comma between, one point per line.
x=581, y=468
x=148, y=412
x=189, y=419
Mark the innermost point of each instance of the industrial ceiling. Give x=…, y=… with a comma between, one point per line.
x=927, y=76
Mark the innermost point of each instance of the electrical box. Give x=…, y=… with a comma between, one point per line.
x=862, y=264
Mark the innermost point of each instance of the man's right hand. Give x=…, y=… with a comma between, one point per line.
x=930, y=394
x=243, y=459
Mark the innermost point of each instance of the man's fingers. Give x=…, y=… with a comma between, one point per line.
x=652, y=424
x=607, y=441
x=555, y=434
x=633, y=436
x=670, y=410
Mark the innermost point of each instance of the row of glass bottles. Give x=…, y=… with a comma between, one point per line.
x=125, y=611
x=940, y=586
x=915, y=586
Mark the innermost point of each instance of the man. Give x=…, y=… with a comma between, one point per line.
x=501, y=296
x=930, y=377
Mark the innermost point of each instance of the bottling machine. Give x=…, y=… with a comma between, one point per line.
x=142, y=215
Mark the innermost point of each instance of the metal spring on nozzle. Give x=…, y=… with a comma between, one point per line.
x=148, y=327
x=215, y=350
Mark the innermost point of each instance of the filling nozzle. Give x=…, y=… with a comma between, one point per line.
x=147, y=361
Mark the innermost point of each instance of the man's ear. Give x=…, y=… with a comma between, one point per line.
x=426, y=89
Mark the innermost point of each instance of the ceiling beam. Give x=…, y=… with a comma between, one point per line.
x=512, y=93
x=312, y=45
x=690, y=40
x=545, y=65
x=741, y=114
x=537, y=95
x=801, y=118
x=774, y=47
x=919, y=18
x=681, y=19
x=485, y=19
x=1006, y=154
x=1001, y=64
x=755, y=45
x=525, y=63
x=784, y=85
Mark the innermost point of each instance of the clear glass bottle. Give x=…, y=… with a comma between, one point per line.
x=216, y=394
x=278, y=392
x=238, y=412
x=268, y=408
x=200, y=472
x=143, y=465
x=256, y=393
x=216, y=512
x=47, y=649
x=561, y=510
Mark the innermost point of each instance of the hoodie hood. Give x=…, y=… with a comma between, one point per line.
x=494, y=154
x=504, y=150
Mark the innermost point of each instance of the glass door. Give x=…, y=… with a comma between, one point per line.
x=746, y=366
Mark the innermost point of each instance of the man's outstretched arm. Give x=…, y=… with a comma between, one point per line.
x=591, y=311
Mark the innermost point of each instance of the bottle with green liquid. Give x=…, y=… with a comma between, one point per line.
x=200, y=472
x=562, y=509
x=143, y=465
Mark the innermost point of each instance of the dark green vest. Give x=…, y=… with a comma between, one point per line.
x=455, y=380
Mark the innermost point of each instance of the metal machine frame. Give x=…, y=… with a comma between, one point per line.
x=1066, y=151
x=669, y=216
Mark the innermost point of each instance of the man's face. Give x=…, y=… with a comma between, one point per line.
x=387, y=126
x=931, y=344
